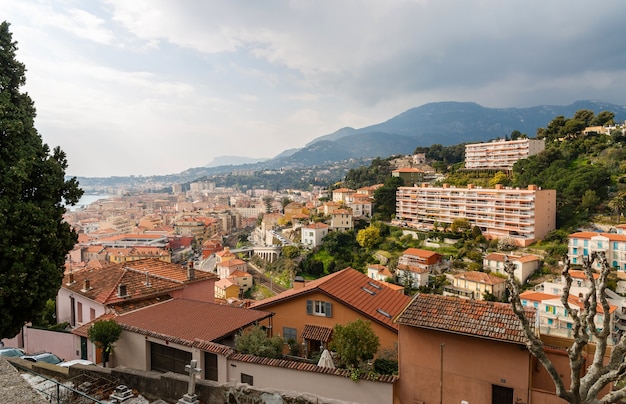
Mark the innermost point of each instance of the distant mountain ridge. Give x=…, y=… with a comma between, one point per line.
x=445, y=123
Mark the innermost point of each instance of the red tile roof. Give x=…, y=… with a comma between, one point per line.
x=190, y=320
x=353, y=289
x=590, y=234
x=419, y=252
x=480, y=277
x=163, y=277
x=468, y=317
x=316, y=332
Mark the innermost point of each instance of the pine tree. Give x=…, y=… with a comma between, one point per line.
x=34, y=239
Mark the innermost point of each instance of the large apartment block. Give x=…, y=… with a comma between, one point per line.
x=581, y=244
x=500, y=155
x=524, y=215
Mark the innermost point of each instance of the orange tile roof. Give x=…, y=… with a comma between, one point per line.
x=523, y=258
x=419, y=252
x=232, y=263
x=317, y=225
x=590, y=234
x=537, y=296
x=163, y=277
x=477, y=318
x=190, y=320
x=351, y=288
x=316, y=332
x=581, y=275
x=408, y=170
x=480, y=277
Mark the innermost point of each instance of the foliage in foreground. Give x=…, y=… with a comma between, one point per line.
x=34, y=238
x=586, y=381
x=256, y=342
x=104, y=334
x=354, y=343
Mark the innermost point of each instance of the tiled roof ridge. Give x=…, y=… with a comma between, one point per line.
x=104, y=296
x=138, y=271
x=154, y=334
x=309, y=367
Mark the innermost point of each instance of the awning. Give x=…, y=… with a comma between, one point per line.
x=316, y=332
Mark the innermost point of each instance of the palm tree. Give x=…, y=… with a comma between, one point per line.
x=618, y=205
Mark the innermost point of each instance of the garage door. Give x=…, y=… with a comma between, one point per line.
x=166, y=359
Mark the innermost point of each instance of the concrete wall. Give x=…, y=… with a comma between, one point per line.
x=318, y=384
x=470, y=367
x=63, y=344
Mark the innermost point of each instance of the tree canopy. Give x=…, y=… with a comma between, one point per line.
x=354, y=342
x=104, y=333
x=589, y=327
x=256, y=342
x=34, y=239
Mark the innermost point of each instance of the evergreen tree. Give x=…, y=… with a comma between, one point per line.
x=34, y=239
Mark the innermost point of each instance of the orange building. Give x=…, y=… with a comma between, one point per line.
x=308, y=312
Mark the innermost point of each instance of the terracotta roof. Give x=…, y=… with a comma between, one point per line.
x=537, y=296
x=316, y=332
x=317, y=225
x=190, y=320
x=480, y=277
x=103, y=283
x=413, y=268
x=500, y=257
x=419, y=252
x=407, y=170
x=353, y=289
x=590, y=234
x=468, y=317
x=581, y=275
x=232, y=263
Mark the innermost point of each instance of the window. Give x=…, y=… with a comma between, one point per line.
x=535, y=304
x=79, y=309
x=319, y=308
x=290, y=333
x=574, y=250
x=586, y=243
x=550, y=321
x=247, y=379
x=585, y=252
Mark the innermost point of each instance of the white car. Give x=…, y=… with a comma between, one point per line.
x=76, y=362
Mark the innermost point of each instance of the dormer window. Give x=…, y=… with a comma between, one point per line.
x=121, y=290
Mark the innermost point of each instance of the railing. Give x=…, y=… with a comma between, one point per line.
x=56, y=392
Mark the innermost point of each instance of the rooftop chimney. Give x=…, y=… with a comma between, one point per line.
x=148, y=278
x=86, y=285
x=191, y=272
x=298, y=282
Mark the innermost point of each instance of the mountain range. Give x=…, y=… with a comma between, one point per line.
x=445, y=123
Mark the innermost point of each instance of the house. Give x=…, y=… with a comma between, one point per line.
x=379, y=272
x=525, y=265
x=361, y=205
x=461, y=351
x=242, y=279
x=415, y=265
x=308, y=312
x=342, y=194
x=475, y=284
x=580, y=245
x=89, y=294
x=409, y=175
x=193, y=330
x=312, y=234
x=341, y=220
x=226, y=268
x=226, y=288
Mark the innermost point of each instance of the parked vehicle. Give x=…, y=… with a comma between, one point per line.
x=7, y=351
x=76, y=362
x=43, y=357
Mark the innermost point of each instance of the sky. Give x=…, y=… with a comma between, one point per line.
x=153, y=87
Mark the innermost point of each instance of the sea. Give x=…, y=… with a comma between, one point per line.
x=86, y=200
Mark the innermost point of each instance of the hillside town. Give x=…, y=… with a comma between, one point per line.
x=186, y=273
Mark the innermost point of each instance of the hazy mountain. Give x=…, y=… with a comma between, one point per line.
x=233, y=160
x=445, y=123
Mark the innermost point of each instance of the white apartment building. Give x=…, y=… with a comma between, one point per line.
x=523, y=215
x=500, y=155
x=312, y=234
x=580, y=245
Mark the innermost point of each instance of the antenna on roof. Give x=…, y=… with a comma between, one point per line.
x=147, y=278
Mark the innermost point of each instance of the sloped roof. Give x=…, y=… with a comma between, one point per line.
x=475, y=318
x=162, y=276
x=590, y=234
x=190, y=320
x=500, y=257
x=417, y=252
x=353, y=289
x=480, y=277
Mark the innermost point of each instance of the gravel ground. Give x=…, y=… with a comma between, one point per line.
x=14, y=389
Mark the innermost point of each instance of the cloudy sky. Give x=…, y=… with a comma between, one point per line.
x=146, y=87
